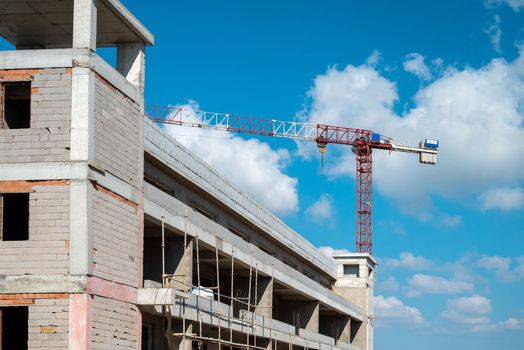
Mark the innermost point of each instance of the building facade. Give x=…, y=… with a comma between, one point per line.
x=113, y=235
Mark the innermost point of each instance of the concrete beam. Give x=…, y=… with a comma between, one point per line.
x=159, y=296
x=13, y=284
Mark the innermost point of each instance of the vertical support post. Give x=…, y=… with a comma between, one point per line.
x=84, y=24
x=231, y=314
x=218, y=295
x=364, y=203
x=130, y=62
x=249, y=294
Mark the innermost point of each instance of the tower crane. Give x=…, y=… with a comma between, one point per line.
x=362, y=141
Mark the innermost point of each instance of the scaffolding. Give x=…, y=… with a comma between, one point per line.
x=237, y=300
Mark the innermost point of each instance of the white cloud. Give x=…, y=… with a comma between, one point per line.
x=502, y=198
x=494, y=32
x=475, y=113
x=374, y=58
x=390, y=284
x=516, y=5
x=471, y=310
x=420, y=284
x=251, y=165
x=390, y=311
x=450, y=220
x=512, y=324
x=414, y=64
x=322, y=210
x=408, y=261
x=502, y=267
x=330, y=251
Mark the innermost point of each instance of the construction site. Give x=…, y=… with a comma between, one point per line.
x=115, y=236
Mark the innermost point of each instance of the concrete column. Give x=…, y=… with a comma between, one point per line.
x=82, y=113
x=84, y=24
x=80, y=224
x=183, y=267
x=265, y=296
x=307, y=312
x=80, y=321
x=184, y=344
x=130, y=62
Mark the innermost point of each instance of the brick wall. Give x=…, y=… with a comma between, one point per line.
x=117, y=133
x=114, y=324
x=48, y=324
x=115, y=227
x=48, y=138
x=46, y=251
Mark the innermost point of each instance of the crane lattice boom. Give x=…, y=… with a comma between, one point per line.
x=363, y=142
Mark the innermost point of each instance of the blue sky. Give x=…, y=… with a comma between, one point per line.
x=449, y=238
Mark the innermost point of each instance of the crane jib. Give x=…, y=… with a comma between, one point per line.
x=362, y=141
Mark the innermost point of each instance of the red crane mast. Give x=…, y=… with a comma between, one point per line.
x=362, y=141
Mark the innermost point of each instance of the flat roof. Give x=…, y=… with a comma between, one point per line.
x=49, y=23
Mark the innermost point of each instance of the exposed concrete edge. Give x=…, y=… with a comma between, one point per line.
x=43, y=171
x=66, y=58
x=50, y=58
x=159, y=296
x=132, y=22
x=42, y=284
x=267, y=264
x=163, y=147
x=349, y=256
x=115, y=78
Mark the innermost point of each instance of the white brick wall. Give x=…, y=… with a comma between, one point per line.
x=117, y=139
x=115, y=226
x=45, y=252
x=114, y=324
x=48, y=139
x=53, y=314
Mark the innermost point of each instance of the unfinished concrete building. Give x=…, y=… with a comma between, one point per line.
x=114, y=236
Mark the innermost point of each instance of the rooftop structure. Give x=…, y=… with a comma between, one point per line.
x=114, y=235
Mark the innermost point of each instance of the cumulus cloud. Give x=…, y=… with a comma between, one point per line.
x=502, y=266
x=374, y=58
x=330, y=251
x=471, y=310
x=502, y=198
x=390, y=311
x=414, y=64
x=475, y=113
x=251, y=165
x=516, y=5
x=494, y=32
x=420, y=284
x=408, y=261
x=322, y=210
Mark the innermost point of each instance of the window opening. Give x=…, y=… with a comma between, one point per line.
x=17, y=105
x=14, y=214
